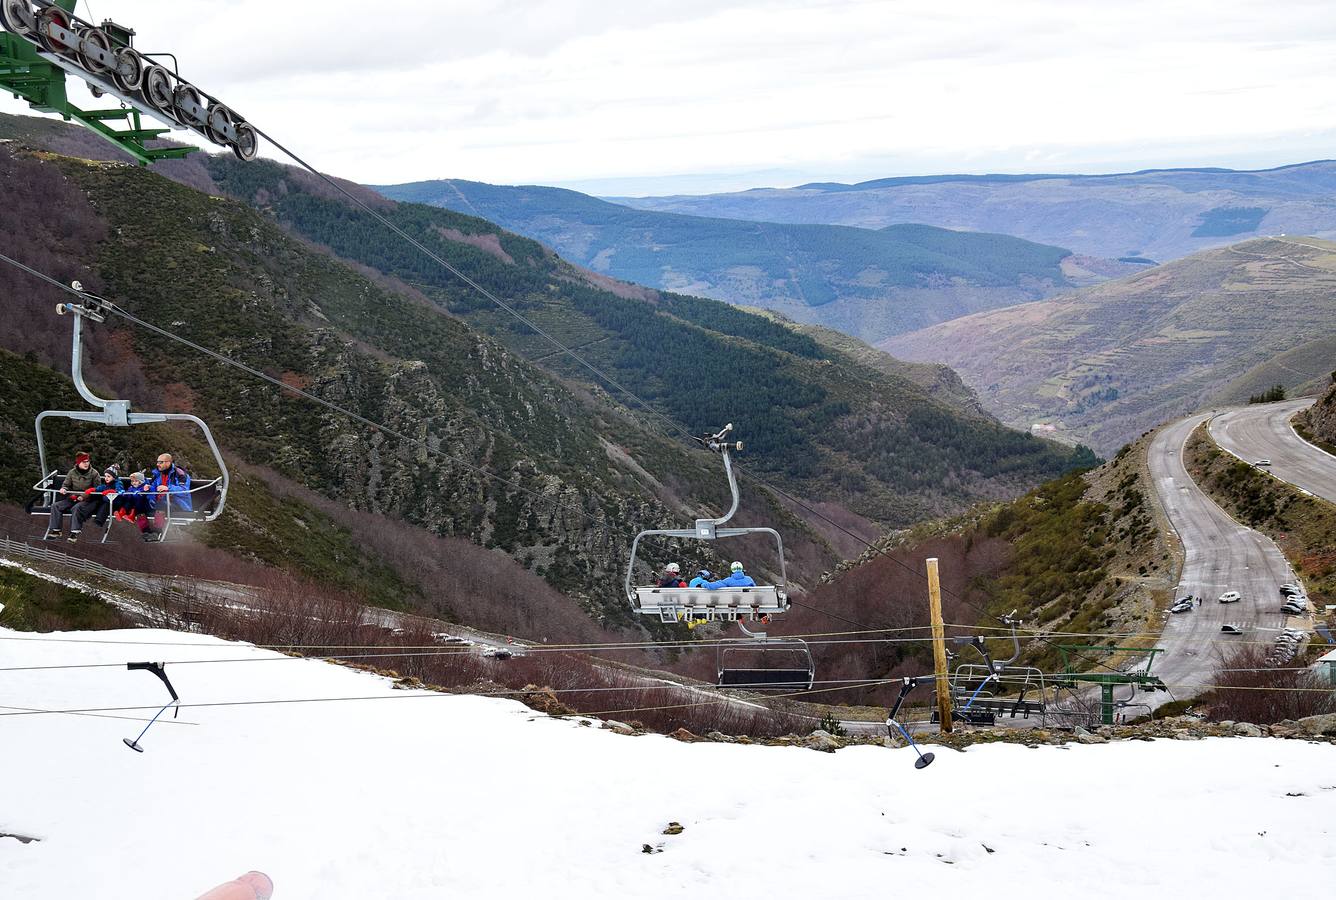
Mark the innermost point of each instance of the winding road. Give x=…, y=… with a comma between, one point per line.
x=1219, y=555
x=1263, y=431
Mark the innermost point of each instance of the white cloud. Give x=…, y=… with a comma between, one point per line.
x=576, y=90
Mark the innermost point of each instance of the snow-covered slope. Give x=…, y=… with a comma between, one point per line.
x=411, y=795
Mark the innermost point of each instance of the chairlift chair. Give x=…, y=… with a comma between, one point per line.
x=749, y=661
x=760, y=662
x=971, y=699
x=207, y=498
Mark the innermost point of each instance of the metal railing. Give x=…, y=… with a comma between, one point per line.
x=47, y=488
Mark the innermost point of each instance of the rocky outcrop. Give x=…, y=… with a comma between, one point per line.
x=1320, y=419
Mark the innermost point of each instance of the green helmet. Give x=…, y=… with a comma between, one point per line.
x=735, y=566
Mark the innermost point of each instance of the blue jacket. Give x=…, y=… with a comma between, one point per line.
x=177, y=482
x=737, y=579
x=698, y=582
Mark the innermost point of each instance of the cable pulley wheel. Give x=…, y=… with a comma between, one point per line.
x=53, y=15
x=182, y=97
x=217, y=123
x=247, y=143
x=98, y=38
x=18, y=17
x=129, y=71
x=158, y=91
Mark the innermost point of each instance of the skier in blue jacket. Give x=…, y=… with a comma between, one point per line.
x=702, y=578
x=738, y=578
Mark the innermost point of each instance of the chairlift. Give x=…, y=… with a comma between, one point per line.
x=207, y=498
x=760, y=662
x=975, y=703
x=756, y=660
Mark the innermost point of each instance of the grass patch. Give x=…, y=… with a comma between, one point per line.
x=35, y=604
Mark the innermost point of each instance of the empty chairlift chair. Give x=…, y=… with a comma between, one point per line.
x=208, y=497
x=756, y=660
x=977, y=690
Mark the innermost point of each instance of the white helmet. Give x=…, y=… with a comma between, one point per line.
x=735, y=566
x=672, y=567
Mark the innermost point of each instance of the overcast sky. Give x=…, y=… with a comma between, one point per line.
x=661, y=96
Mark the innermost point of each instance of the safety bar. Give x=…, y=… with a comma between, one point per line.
x=168, y=519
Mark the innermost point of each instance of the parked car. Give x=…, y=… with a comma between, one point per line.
x=1291, y=590
x=1231, y=597
x=1262, y=462
x=497, y=653
x=1294, y=608
x=1182, y=605
x=1231, y=628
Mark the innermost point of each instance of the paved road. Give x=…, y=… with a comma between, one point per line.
x=1220, y=555
x=1262, y=431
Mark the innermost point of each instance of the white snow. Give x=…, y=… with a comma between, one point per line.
x=417, y=795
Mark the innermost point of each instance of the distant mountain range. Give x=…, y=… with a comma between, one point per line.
x=1157, y=214
x=1109, y=362
x=864, y=282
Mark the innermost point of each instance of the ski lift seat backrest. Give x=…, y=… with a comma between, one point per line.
x=766, y=664
x=203, y=498
x=43, y=495
x=776, y=678
x=760, y=600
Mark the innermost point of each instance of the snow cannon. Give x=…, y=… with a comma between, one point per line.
x=251, y=886
x=43, y=41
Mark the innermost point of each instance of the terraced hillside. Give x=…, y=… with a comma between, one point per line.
x=1109, y=362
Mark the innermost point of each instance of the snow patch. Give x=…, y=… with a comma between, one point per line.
x=416, y=795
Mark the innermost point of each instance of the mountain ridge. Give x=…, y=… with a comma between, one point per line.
x=1108, y=362
x=864, y=282
x=1157, y=214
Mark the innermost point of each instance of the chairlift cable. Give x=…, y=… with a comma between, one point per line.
x=489, y=295
x=438, y=652
x=420, y=694
x=427, y=694
x=250, y=370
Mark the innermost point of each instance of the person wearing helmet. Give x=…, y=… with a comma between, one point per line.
x=702, y=578
x=738, y=578
x=672, y=577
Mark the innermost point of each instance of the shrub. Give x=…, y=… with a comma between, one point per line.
x=830, y=724
x=1271, y=395
x=1249, y=689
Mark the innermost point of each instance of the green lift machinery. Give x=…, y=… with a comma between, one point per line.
x=44, y=41
x=1139, y=680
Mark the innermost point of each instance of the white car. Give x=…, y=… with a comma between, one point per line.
x=1231, y=628
x=1262, y=462
x=1231, y=597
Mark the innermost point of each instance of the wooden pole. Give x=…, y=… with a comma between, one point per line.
x=939, y=647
